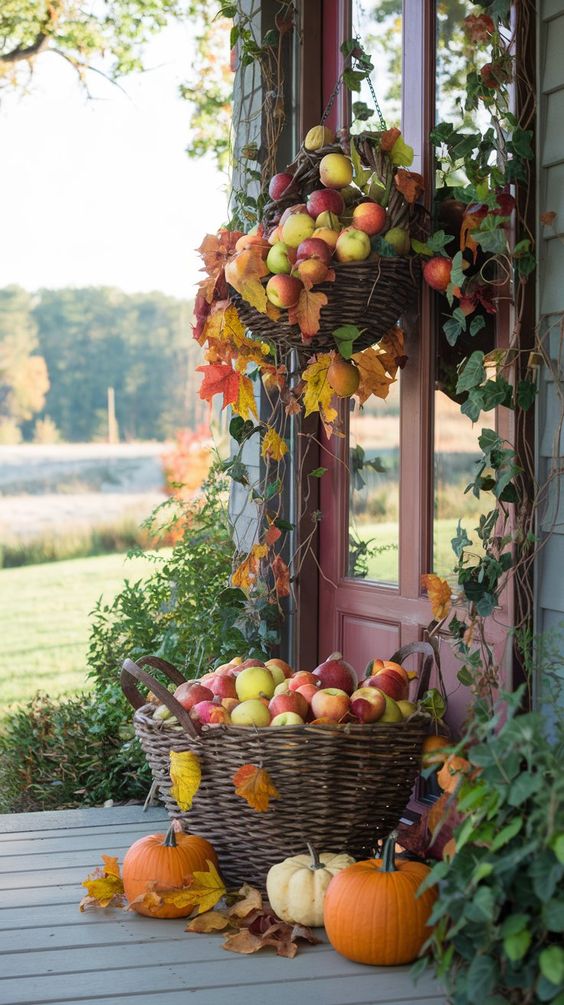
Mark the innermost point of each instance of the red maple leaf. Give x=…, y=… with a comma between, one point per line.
x=219, y=378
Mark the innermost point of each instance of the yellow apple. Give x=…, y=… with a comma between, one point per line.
x=297, y=228
x=250, y=713
x=254, y=682
x=335, y=171
x=352, y=245
x=287, y=719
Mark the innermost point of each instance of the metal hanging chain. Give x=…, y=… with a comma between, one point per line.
x=333, y=98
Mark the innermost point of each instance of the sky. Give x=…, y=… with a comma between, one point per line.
x=101, y=192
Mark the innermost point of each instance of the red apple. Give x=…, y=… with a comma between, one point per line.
x=336, y=672
x=390, y=683
x=299, y=207
x=289, y=702
x=311, y=271
x=253, y=241
x=436, y=272
x=236, y=670
x=284, y=291
x=375, y=666
x=308, y=691
x=367, y=704
x=325, y=200
x=190, y=693
x=281, y=664
x=302, y=677
x=223, y=686
x=280, y=185
x=330, y=702
x=314, y=247
x=209, y=714
x=369, y=217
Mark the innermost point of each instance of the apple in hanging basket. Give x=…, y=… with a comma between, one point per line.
x=369, y=217
x=353, y=245
x=284, y=291
x=280, y=258
x=297, y=227
x=281, y=184
x=335, y=171
x=335, y=672
x=325, y=200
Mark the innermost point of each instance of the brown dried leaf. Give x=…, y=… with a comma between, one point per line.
x=211, y=921
x=251, y=901
x=373, y=377
x=409, y=183
x=391, y=350
x=388, y=138
x=281, y=575
x=256, y=786
x=548, y=218
x=243, y=942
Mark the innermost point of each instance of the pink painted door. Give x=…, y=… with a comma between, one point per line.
x=393, y=490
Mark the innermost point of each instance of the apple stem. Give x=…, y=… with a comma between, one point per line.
x=389, y=854
x=315, y=860
x=334, y=656
x=170, y=839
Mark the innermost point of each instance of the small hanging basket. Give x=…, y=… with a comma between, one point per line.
x=341, y=788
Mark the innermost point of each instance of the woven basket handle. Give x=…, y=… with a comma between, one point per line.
x=130, y=672
x=431, y=658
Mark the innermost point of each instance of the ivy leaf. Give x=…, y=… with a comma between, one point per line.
x=381, y=247
x=240, y=430
x=360, y=174
x=496, y=392
x=457, y=269
x=453, y=330
x=553, y=915
x=551, y=962
x=317, y=472
x=526, y=393
x=401, y=153
x=486, y=605
x=481, y=978
x=461, y=541
x=186, y=776
x=255, y=786
x=477, y=324
x=473, y=372
x=438, y=241
x=473, y=405
x=515, y=946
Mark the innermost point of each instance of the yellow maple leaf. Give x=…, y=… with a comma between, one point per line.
x=440, y=595
x=104, y=886
x=244, y=273
x=185, y=775
x=223, y=323
x=391, y=350
x=256, y=786
x=246, y=573
x=273, y=445
x=211, y=921
x=245, y=406
x=373, y=377
x=306, y=312
x=205, y=890
x=318, y=393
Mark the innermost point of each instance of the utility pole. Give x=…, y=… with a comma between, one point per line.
x=113, y=433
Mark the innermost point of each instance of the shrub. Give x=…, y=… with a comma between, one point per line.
x=500, y=911
x=56, y=754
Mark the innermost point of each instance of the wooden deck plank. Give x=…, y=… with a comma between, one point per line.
x=50, y=954
x=235, y=971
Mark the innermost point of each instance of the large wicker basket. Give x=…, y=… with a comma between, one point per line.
x=342, y=788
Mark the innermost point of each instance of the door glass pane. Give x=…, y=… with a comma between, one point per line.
x=374, y=452
x=378, y=24
x=456, y=437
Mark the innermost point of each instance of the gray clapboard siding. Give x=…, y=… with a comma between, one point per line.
x=550, y=436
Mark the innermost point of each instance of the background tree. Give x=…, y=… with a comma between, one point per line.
x=23, y=373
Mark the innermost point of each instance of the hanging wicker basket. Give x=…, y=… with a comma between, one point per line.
x=373, y=294
x=342, y=788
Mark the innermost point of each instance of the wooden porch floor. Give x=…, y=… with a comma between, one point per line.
x=51, y=954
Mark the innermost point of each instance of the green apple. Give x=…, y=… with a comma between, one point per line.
x=250, y=713
x=399, y=240
x=328, y=220
x=406, y=708
x=254, y=682
x=287, y=719
x=352, y=245
x=280, y=258
x=392, y=712
x=283, y=687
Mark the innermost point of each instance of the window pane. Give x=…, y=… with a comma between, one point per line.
x=378, y=23
x=374, y=453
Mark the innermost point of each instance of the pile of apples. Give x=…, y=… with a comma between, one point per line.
x=337, y=223
x=252, y=693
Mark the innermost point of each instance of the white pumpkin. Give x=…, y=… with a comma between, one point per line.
x=296, y=887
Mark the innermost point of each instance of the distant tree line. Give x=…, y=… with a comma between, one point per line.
x=60, y=351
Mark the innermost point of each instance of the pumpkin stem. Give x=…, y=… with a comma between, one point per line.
x=315, y=860
x=389, y=854
x=170, y=839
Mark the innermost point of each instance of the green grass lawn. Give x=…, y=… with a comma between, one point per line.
x=45, y=621
x=383, y=566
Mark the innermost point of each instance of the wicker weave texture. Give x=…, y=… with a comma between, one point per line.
x=341, y=788
x=372, y=295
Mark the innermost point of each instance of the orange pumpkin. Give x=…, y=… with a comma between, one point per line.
x=449, y=777
x=371, y=911
x=167, y=860
x=433, y=750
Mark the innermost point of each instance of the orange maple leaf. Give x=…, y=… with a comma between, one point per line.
x=469, y=223
x=388, y=138
x=306, y=312
x=216, y=250
x=409, y=183
x=272, y=535
x=246, y=573
x=256, y=786
x=373, y=376
x=219, y=378
x=391, y=350
x=281, y=574
x=440, y=595
x=244, y=273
